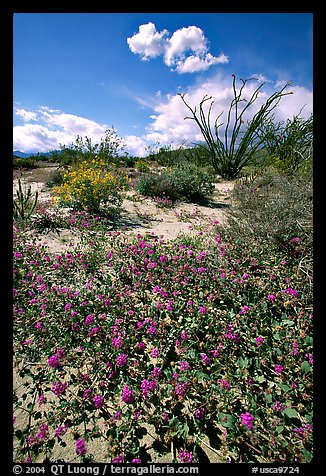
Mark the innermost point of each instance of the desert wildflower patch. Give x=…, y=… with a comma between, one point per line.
x=131, y=333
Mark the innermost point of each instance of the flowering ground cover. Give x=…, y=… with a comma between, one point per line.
x=129, y=332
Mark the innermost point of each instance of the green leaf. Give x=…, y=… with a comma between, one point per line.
x=201, y=376
x=242, y=363
x=279, y=429
x=306, y=367
x=291, y=413
x=288, y=322
x=226, y=419
x=283, y=387
x=308, y=455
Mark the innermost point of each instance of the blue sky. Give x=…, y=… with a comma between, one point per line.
x=80, y=74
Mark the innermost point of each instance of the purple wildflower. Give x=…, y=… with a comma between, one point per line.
x=184, y=335
x=89, y=320
x=184, y=365
x=206, y=360
x=310, y=358
x=180, y=389
x=259, y=340
x=200, y=413
x=121, y=360
x=155, y=353
x=278, y=369
x=291, y=291
x=61, y=430
x=87, y=393
x=185, y=456
x=295, y=348
x=245, y=309
x=118, y=459
x=304, y=430
x=224, y=384
x=58, y=388
x=279, y=407
x=136, y=460
x=94, y=330
x=127, y=395
x=53, y=361
x=232, y=335
x=156, y=372
x=98, y=401
x=117, y=342
x=247, y=420
x=80, y=447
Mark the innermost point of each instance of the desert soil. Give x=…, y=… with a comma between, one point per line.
x=139, y=215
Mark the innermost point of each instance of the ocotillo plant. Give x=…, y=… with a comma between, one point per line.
x=230, y=155
x=25, y=203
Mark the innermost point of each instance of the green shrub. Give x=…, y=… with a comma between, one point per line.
x=20, y=163
x=141, y=165
x=55, y=178
x=289, y=144
x=272, y=213
x=25, y=202
x=187, y=182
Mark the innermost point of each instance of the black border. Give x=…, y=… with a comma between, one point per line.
x=7, y=11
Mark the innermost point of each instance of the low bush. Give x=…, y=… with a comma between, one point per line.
x=273, y=213
x=186, y=182
x=21, y=163
x=91, y=185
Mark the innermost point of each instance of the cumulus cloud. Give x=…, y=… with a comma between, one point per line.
x=26, y=116
x=135, y=145
x=185, y=51
x=148, y=42
x=53, y=128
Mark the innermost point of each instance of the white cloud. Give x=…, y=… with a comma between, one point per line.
x=300, y=102
x=54, y=127
x=135, y=145
x=148, y=42
x=72, y=124
x=48, y=128
x=185, y=39
x=26, y=116
x=38, y=138
x=186, y=51
x=196, y=63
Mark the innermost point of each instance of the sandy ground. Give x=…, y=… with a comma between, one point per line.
x=139, y=215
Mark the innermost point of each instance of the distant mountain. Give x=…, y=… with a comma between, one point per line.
x=24, y=155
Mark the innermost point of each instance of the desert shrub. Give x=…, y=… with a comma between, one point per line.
x=55, y=178
x=24, y=203
x=186, y=182
x=273, y=213
x=91, y=185
x=141, y=165
x=289, y=144
x=21, y=163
